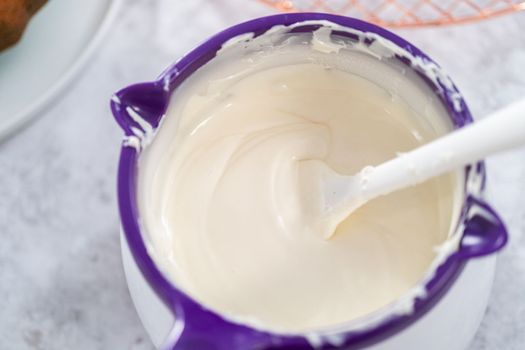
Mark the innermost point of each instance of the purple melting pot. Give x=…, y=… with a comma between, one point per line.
x=200, y=328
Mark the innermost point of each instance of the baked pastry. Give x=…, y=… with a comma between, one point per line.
x=14, y=16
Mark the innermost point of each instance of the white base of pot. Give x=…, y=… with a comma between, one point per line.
x=450, y=324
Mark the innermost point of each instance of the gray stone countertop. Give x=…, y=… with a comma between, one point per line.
x=61, y=281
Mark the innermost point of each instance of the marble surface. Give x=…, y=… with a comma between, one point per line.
x=61, y=280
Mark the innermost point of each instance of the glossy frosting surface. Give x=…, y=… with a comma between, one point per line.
x=219, y=190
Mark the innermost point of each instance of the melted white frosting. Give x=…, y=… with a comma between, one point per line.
x=218, y=186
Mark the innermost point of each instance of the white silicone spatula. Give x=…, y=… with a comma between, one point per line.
x=341, y=195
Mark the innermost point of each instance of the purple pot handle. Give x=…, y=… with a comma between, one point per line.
x=149, y=100
x=484, y=231
x=198, y=328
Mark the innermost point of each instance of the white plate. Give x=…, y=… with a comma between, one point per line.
x=55, y=46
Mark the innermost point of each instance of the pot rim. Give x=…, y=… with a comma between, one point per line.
x=195, y=320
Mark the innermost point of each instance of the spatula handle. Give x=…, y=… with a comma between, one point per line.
x=502, y=130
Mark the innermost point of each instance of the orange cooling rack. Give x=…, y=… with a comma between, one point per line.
x=405, y=13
